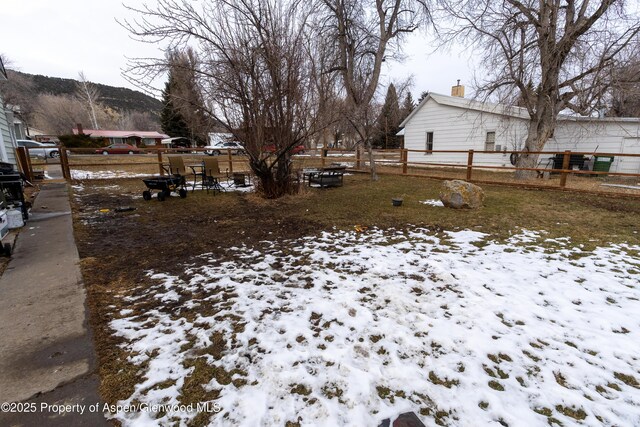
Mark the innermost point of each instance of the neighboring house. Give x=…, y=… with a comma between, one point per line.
x=7, y=137
x=19, y=129
x=137, y=138
x=443, y=122
x=218, y=138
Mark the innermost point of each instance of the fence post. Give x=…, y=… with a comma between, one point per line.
x=469, y=165
x=404, y=154
x=565, y=165
x=64, y=163
x=358, y=158
x=160, y=168
x=25, y=163
x=230, y=160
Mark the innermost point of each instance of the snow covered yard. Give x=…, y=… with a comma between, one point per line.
x=350, y=328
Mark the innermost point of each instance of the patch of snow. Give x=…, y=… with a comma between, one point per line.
x=350, y=328
x=432, y=202
x=84, y=174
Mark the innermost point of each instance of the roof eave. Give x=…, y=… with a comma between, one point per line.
x=3, y=72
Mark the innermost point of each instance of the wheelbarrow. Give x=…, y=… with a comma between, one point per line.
x=165, y=185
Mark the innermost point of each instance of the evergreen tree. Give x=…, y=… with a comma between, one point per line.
x=171, y=120
x=389, y=120
x=407, y=106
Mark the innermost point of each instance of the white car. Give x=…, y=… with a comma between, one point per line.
x=39, y=149
x=216, y=149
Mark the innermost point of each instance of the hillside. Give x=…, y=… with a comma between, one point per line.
x=118, y=98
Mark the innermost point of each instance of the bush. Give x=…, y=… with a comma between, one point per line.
x=82, y=141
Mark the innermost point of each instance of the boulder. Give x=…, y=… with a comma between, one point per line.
x=459, y=194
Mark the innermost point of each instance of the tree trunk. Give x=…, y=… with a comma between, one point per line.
x=540, y=130
x=372, y=163
x=274, y=182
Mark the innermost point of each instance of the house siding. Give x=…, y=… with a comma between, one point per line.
x=458, y=128
x=7, y=152
x=599, y=137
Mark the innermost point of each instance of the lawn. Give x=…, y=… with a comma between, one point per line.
x=335, y=308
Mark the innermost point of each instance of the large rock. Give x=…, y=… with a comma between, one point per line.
x=458, y=194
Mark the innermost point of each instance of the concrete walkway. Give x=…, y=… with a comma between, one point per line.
x=46, y=350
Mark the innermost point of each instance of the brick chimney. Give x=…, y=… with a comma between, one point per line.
x=457, y=90
x=79, y=127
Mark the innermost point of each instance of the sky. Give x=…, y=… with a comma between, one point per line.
x=61, y=38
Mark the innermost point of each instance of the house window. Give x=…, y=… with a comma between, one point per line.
x=490, y=142
x=429, y=142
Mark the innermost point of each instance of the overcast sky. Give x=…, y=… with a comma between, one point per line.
x=60, y=38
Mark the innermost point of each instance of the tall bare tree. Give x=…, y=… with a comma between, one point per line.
x=625, y=93
x=254, y=71
x=549, y=55
x=363, y=34
x=186, y=94
x=18, y=94
x=57, y=114
x=89, y=95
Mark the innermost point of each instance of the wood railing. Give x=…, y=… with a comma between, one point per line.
x=322, y=157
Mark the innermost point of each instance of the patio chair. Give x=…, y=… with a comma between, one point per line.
x=211, y=175
x=177, y=167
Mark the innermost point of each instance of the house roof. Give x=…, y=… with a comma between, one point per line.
x=504, y=110
x=103, y=133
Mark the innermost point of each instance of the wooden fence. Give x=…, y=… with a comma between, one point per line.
x=390, y=161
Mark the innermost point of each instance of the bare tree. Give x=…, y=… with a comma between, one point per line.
x=550, y=55
x=329, y=111
x=57, y=114
x=18, y=94
x=254, y=70
x=136, y=120
x=186, y=93
x=625, y=93
x=363, y=35
x=89, y=95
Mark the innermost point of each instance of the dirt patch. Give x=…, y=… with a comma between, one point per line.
x=118, y=249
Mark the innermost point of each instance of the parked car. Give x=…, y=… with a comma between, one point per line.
x=39, y=149
x=298, y=149
x=119, y=149
x=216, y=149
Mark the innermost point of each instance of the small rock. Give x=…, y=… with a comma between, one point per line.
x=459, y=194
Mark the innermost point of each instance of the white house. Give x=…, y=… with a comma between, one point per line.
x=7, y=138
x=443, y=122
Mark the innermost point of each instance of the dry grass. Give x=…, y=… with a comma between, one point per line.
x=579, y=182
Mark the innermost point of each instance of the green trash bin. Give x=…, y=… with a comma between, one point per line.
x=602, y=164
